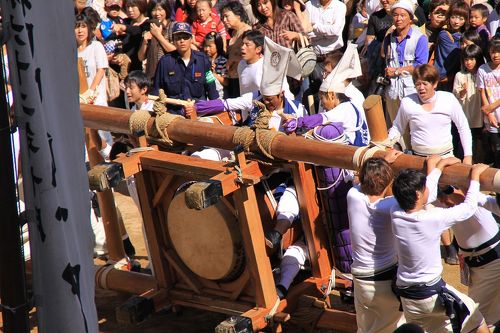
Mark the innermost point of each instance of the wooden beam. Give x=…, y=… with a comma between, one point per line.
x=283, y=147
x=160, y=193
x=255, y=250
x=311, y=220
x=186, y=275
x=152, y=228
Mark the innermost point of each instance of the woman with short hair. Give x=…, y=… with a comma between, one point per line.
x=428, y=114
x=158, y=40
x=235, y=20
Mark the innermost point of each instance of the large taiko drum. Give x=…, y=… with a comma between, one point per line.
x=208, y=241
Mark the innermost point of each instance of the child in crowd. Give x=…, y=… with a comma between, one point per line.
x=464, y=88
x=488, y=78
x=470, y=37
x=137, y=85
x=186, y=12
x=359, y=25
x=205, y=22
x=477, y=20
x=447, y=60
x=213, y=46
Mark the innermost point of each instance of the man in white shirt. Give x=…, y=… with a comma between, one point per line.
x=426, y=299
x=478, y=238
x=328, y=19
x=373, y=251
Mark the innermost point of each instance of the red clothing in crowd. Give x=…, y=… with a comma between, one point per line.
x=201, y=29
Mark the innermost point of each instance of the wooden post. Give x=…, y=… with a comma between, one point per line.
x=255, y=249
x=310, y=102
x=107, y=207
x=311, y=221
x=375, y=118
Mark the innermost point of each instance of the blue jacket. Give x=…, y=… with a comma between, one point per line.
x=447, y=58
x=194, y=81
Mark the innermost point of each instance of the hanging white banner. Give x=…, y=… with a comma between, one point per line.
x=43, y=74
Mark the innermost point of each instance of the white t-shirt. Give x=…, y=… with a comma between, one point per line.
x=489, y=202
x=418, y=236
x=147, y=106
x=477, y=229
x=489, y=80
x=343, y=113
x=432, y=128
x=357, y=98
x=328, y=24
x=94, y=57
x=372, y=241
x=250, y=75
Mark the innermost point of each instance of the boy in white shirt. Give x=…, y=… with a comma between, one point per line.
x=426, y=299
x=137, y=86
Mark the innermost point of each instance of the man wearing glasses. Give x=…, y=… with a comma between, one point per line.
x=184, y=74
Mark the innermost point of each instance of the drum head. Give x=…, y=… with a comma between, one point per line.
x=208, y=241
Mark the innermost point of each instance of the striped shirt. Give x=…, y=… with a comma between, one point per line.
x=283, y=21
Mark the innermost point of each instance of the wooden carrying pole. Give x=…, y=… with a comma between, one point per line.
x=375, y=118
x=283, y=147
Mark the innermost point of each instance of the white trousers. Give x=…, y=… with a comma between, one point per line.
x=431, y=316
x=377, y=308
x=484, y=288
x=288, y=206
x=293, y=261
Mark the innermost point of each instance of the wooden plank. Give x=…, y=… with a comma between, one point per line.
x=151, y=220
x=311, y=222
x=243, y=281
x=131, y=164
x=211, y=303
x=160, y=193
x=251, y=174
x=258, y=317
x=182, y=165
x=339, y=321
x=184, y=273
x=255, y=250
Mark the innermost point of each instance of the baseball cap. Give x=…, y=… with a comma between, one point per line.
x=110, y=3
x=181, y=27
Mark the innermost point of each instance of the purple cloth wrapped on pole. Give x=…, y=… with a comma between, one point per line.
x=334, y=201
x=307, y=122
x=210, y=107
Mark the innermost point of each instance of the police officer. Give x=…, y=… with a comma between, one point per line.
x=184, y=74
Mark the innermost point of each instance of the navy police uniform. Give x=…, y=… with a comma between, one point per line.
x=194, y=81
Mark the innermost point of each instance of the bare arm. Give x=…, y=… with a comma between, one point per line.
x=156, y=31
x=97, y=78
